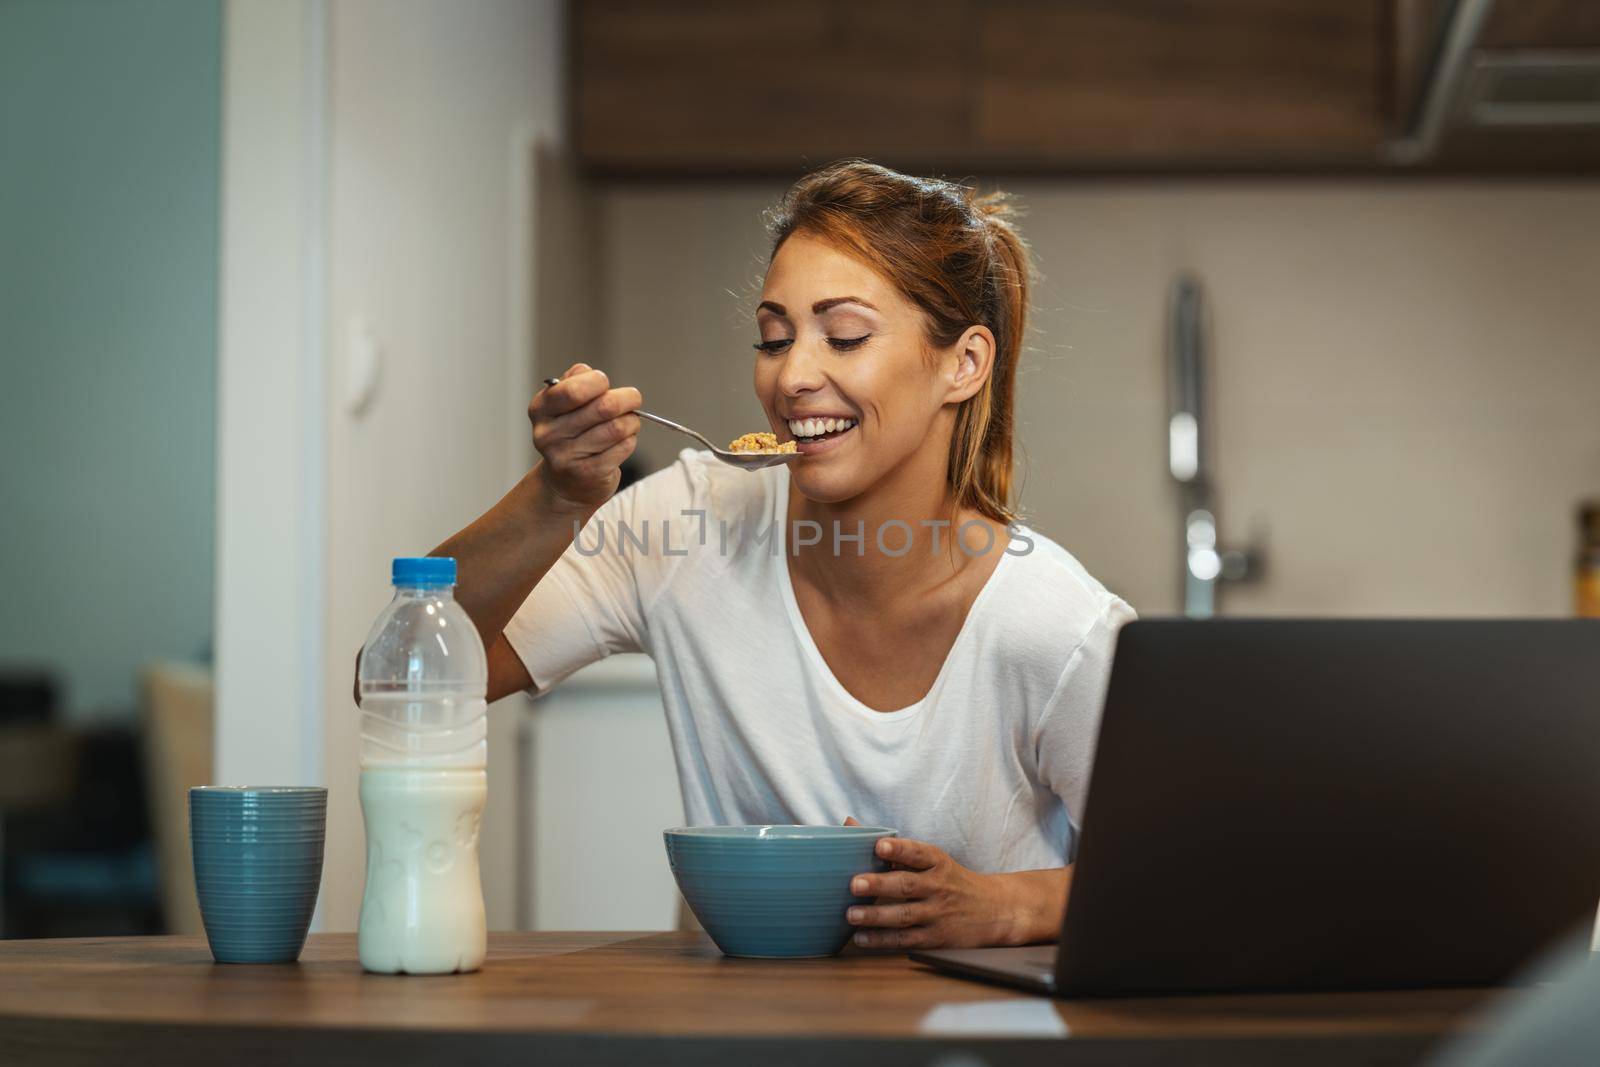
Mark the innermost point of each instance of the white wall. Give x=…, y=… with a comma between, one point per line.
x=379, y=168
x=270, y=509
x=1406, y=373
x=433, y=106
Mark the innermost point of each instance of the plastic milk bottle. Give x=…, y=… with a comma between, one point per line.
x=423, y=678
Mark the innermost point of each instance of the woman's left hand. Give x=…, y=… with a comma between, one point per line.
x=942, y=904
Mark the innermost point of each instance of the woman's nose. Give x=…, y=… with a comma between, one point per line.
x=801, y=371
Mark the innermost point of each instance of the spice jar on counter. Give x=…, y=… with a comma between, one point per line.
x=1587, y=574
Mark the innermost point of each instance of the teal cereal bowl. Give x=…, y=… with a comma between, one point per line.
x=773, y=892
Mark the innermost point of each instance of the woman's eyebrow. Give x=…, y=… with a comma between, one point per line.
x=776, y=309
x=823, y=305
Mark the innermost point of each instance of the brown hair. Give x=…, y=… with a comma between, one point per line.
x=955, y=255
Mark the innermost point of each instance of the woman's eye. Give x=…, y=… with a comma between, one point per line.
x=841, y=344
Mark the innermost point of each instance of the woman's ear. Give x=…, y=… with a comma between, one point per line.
x=973, y=361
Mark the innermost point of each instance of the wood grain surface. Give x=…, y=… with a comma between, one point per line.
x=606, y=997
x=722, y=86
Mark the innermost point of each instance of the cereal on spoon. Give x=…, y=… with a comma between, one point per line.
x=763, y=442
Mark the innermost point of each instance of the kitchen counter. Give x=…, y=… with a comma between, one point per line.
x=659, y=998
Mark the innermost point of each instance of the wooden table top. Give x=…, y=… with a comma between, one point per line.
x=599, y=997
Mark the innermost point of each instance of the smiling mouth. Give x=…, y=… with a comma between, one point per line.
x=822, y=443
x=816, y=431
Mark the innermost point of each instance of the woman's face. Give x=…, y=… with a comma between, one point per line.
x=840, y=342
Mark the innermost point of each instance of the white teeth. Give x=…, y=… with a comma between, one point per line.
x=813, y=427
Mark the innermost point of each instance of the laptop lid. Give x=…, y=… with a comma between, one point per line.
x=1327, y=804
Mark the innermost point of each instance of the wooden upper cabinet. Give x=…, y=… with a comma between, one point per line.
x=719, y=87
x=754, y=86
x=1162, y=83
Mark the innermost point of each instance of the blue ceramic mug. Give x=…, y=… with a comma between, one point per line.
x=257, y=867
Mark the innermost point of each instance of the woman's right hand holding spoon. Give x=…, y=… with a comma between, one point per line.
x=584, y=429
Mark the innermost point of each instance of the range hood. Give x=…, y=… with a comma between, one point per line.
x=1471, y=87
x=1533, y=87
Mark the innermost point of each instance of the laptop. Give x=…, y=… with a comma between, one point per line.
x=1328, y=804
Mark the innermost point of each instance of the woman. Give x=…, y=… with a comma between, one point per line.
x=864, y=631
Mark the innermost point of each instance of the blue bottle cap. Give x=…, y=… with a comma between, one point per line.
x=423, y=570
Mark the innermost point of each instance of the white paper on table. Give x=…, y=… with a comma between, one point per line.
x=1019, y=1017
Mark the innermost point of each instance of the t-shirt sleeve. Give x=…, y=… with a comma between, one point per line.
x=593, y=602
x=1070, y=724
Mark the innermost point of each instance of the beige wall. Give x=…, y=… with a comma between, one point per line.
x=1407, y=375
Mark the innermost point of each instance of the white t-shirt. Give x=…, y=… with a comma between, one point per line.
x=991, y=765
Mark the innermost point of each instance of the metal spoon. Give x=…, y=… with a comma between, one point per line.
x=750, y=461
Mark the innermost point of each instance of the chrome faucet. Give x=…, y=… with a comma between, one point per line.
x=1205, y=563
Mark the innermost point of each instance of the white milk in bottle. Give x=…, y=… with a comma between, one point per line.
x=423, y=678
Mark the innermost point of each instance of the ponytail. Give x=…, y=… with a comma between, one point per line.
x=981, y=448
